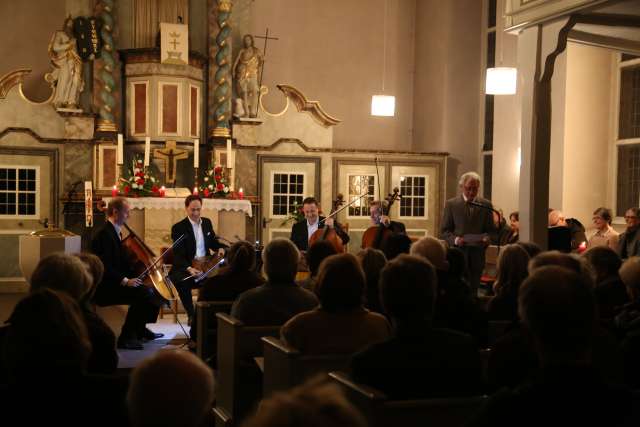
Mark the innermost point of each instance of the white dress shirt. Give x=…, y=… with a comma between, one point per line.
x=311, y=228
x=201, y=249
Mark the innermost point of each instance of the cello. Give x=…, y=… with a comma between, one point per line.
x=376, y=234
x=149, y=268
x=329, y=233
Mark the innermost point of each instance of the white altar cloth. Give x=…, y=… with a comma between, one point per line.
x=174, y=203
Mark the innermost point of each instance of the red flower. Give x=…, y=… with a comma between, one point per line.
x=140, y=181
x=218, y=177
x=220, y=187
x=126, y=189
x=218, y=169
x=206, y=192
x=155, y=189
x=140, y=174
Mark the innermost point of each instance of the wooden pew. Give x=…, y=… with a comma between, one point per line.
x=207, y=326
x=237, y=346
x=381, y=412
x=285, y=367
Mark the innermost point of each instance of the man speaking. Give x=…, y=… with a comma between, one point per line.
x=466, y=223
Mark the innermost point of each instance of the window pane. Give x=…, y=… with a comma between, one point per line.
x=491, y=15
x=629, y=121
x=628, y=189
x=486, y=183
x=491, y=50
x=488, y=123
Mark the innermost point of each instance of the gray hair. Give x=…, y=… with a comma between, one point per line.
x=467, y=176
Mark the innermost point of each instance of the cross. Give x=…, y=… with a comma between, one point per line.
x=264, y=52
x=175, y=43
x=170, y=154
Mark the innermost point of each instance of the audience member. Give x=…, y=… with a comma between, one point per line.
x=531, y=248
x=629, y=243
x=320, y=250
x=420, y=361
x=558, y=309
x=313, y=404
x=605, y=235
x=77, y=275
x=372, y=262
x=502, y=232
x=395, y=245
x=340, y=325
x=171, y=388
x=514, y=223
x=511, y=272
x=280, y=298
x=609, y=291
x=627, y=322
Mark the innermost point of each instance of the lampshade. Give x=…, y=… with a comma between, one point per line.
x=383, y=105
x=501, y=81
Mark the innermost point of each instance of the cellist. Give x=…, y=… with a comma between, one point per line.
x=301, y=231
x=119, y=284
x=378, y=218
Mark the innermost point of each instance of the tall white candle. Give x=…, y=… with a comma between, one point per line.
x=196, y=153
x=229, y=163
x=147, y=150
x=120, y=150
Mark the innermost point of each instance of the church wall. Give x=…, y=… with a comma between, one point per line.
x=26, y=33
x=333, y=52
x=447, y=83
x=587, y=130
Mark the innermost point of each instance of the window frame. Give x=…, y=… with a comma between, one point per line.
x=348, y=199
x=424, y=197
x=36, y=192
x=273, y=193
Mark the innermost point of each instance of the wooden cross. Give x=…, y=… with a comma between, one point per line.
x=175, y=43
x=264, y=52
x=170, y=154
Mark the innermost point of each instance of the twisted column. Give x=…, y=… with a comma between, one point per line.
x=222, y=79
x=106, y=82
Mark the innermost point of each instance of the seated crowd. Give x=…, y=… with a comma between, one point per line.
x=406, y=316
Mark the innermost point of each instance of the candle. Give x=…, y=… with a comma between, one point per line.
x=162, y=191
x=195, y=191
x=147, y=151
x=196, y=153
x=120, y=150
x=229, y=164
x=114, y=191
x=241, y=193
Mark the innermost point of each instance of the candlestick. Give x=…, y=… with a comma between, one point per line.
x=196, y=176
x=114, y=191
x=147, y=151
x=162, y=191
x=229, y=164
x=120, y=150
x=196, y=153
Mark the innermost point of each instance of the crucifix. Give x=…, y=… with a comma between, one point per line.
x=170, y=154
x=264, y=52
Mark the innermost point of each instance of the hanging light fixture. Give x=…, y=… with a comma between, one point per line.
x=383, y=105
x=501, y=81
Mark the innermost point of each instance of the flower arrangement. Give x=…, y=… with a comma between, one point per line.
x=215, y=183
x=140, y=181
x=296, y=214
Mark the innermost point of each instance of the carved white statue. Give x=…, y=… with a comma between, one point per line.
x=66, y=76
x=245, y=70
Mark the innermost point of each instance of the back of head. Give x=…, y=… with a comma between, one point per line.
x=116, y=204
x=47, y=335
x=95, y=268
x=62, y=272
x=395, y=245
x=316, y=403
x=189, y=380
x=280, y=258
x=556, y=218
x=531, y=248
x=433, y=251
x=408, y=288
x=513, y=261
x=604, y=261
x=340, y=284
x=457, y=262
x=241, y=256
x=372, y=261
x=320, y=250
x=630, y=275
x=568, y=261
x=559, y=309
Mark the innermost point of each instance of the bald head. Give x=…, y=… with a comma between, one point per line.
x=177, y=382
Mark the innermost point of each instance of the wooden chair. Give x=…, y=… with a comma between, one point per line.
x=285, y=367
x=207, y=326
x=490, y=268
x=381, y=412
x=237, y=346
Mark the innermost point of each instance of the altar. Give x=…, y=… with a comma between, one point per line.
x=152, y=217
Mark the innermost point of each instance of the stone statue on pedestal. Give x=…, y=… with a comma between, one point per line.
x=246, y=69
x=66, y=78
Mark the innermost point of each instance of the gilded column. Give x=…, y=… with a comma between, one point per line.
x=222, y=78
x=105, y=68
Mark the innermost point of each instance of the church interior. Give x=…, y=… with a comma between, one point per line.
x=465, y=129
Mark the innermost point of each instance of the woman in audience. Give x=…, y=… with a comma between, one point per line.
x=314, y=256
x=531, y=248
x=514, y=223
x=605, y=235
x=502, y=231
x=78, y=275
x=372, y=262
x=610, y=292
x=341, y=324
x=511, y=272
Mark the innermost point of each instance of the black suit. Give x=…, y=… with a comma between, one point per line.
x=184, y=253
x=300, y=233
x=107, y=246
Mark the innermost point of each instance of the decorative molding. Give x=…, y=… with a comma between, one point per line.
x=104, y=72
x=222, y=78
x=313, y=107
x=38, y=138
x=12, y=79
x=152, y=55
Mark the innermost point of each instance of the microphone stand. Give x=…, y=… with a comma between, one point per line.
x=480, y=205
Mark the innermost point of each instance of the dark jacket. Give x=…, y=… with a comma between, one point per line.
x=107, y=246
x=629, y=243
x=185, y=251
x=300, y=234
